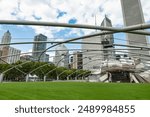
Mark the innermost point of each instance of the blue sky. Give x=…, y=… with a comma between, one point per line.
x=63, y=11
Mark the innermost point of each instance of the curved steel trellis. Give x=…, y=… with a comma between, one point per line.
x=83, y=65
x=84, y=37
x=75, y=62
x=129, y=29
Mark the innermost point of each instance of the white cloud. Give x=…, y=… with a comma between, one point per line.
x=44, y=30
x=26, y=53
x=112, y=8
x=146, y=7
x=59, y=39
x=6, y=9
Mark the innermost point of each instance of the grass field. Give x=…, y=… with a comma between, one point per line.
x=74, y=91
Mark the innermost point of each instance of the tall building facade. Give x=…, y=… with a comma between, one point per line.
x=76, y=62
x=8, y=54
x=39, y=47
x=61, y=58
x=6, y=39
x=92, y=54
x=107, y=40
x=12, y=54
x=92, y=60
x=133, y=15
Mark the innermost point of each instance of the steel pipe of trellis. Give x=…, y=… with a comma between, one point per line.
x=86, y=50
x=98, y=55
x=94, y=60
x=94, y=56
x=1, y=75
x=116, y=51
x=43, y=66
x=86, y=71
x=114, y=44
x=51, y=42
x=15, y=66
x=30, y=61
x=133, y=46
x=56, y=24
x=83, y=65
x=57, y=66
x=27, y=77
x=54, y=42
x=110, y=29
x=103, y=50
x=26, y=53
x=75, y=39
x=75, y=62
x=83, y=73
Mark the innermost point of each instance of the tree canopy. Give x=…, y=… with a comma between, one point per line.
x=18, y=71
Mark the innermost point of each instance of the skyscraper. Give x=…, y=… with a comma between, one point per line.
x=77, y=60
x=133, y=15
x=61, y=58
x=39, y=47
x=9, y=54
x=12, y=54
x=92, y=59
x=107, y=39
x=6, y=38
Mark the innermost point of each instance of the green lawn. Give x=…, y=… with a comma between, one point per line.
x=74, y=91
